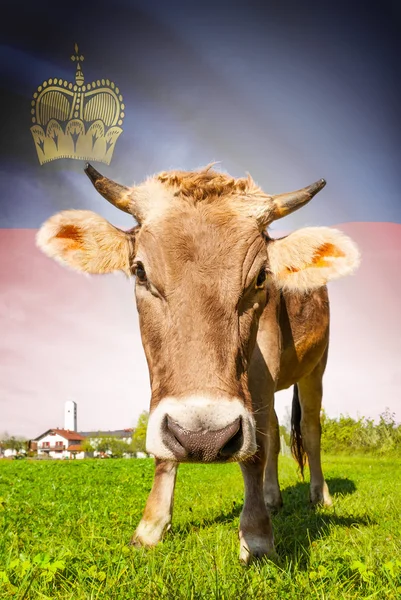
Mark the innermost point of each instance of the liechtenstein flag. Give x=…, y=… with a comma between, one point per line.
x=288, y=92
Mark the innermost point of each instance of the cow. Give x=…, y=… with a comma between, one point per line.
x=228, y=316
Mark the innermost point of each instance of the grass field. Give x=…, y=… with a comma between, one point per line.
x=65, y=527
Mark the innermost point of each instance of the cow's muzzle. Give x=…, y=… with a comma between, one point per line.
x=203, y=445
x=201, y=429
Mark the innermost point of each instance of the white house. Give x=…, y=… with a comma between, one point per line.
x=64, y=443
x=68, y=443
x=95, y=437
x=8, y=452
x=60, y=443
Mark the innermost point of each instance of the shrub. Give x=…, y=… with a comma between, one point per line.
x=361, y=435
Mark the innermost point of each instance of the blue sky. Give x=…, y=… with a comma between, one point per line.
x=289, y=95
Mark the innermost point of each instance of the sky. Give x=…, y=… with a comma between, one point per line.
x=288, y=94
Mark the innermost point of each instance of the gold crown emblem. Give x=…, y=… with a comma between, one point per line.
x=76, y=120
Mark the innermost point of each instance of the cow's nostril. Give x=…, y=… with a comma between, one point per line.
x=172, y=440
x=179, y=433
x=203, y=445
x=234, y=444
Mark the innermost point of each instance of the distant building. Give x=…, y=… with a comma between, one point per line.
x=64, y=443
x=60, y=443
x=122, y=434
x=68, y=443
x=12, y=447
x=95, y=437
x=70, y=416
x=9, y=452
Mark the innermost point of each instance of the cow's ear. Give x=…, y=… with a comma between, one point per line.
x=86, y=242
x=310, y=257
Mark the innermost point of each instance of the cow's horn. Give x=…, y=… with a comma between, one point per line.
x=118, y=195
x=285, y=204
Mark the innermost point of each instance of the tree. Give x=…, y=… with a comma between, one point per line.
x=13, y=443
x=87, y=445
x=108, y=444
x=285, y=434
x=286, y=420
x=102, y=443
x=118, y=447
x=138, y=443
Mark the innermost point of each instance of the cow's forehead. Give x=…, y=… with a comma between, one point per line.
x=212, y=234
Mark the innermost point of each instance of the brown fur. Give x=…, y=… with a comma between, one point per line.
x=206, y=184
x=320, y=257
x=72, y=234
x=197, y=259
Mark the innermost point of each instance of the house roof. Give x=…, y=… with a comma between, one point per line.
x=65, y=433
x=120, y=433
x=75, y=448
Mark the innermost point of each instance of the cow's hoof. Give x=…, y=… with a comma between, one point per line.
x=147, y=534
x=136, y=542
x=320, y=496
x=255, y=546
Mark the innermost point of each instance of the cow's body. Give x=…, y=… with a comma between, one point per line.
x=297, y=356
x=228, y=316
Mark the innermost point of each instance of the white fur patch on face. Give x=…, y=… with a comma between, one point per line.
x=196, y=413
x=154, y=196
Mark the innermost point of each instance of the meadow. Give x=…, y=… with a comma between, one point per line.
x=65, y=528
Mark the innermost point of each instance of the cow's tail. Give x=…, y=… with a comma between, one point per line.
x=297, y=447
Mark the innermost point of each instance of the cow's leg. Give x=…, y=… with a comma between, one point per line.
x=271, y=486
x=159, y=506
x=310, y=396
x=255, y=532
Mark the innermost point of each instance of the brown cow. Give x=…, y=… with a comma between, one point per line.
x=228, y=316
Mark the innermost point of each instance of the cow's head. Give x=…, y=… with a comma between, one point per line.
x=204, y=267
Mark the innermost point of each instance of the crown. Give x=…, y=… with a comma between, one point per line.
x=76, y=120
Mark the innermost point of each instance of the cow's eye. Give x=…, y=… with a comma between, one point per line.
x=140, y=273
x=261, y=278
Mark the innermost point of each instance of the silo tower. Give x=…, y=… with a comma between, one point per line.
x=70, y=415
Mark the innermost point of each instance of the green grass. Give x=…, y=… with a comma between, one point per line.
x=65, y=528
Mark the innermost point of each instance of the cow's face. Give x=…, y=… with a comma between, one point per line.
x=204, y=270
x=200, y=289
